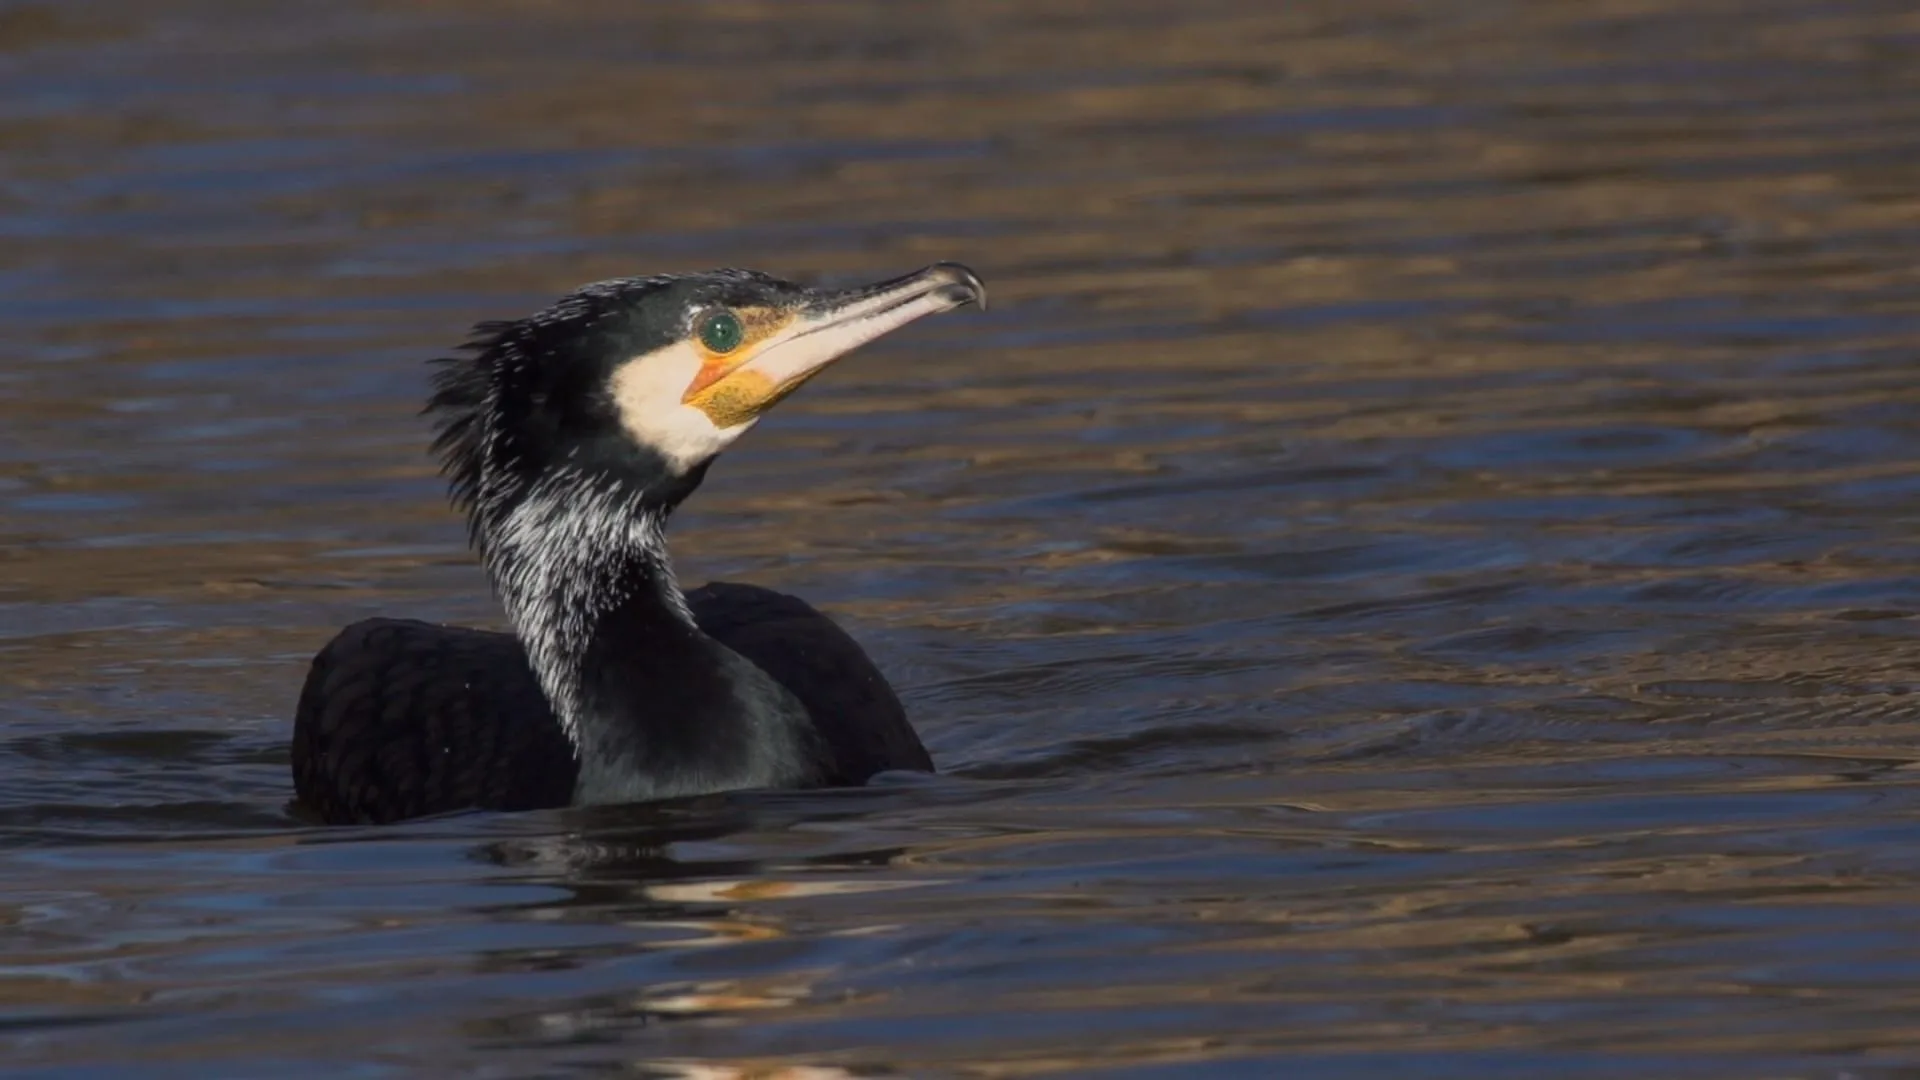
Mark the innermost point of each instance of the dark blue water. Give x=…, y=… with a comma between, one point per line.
x=1414, y=576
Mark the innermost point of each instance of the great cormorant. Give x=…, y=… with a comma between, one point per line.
x=568, y=437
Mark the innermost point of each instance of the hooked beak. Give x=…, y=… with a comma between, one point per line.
x=823, y=329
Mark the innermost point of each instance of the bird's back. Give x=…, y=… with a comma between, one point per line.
x=859, y=717
x=399, y=718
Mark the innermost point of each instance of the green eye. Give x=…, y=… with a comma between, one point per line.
x=721, y=332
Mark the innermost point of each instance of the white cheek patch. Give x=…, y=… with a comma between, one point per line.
x=647, y=392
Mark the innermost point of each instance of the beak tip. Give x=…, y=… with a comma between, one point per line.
x=960, y=284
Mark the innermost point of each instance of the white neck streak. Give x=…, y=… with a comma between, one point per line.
x=561, y=559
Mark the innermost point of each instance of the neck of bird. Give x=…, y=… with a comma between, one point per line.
x=654, y=707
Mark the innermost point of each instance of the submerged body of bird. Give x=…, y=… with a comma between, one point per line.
x=569, y=437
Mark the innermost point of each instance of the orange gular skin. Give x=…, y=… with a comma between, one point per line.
x=727, y=395
x=738, y=399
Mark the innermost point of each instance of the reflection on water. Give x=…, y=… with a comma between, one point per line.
x=1414, y=577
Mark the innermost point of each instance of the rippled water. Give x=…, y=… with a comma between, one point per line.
x=1415, y=575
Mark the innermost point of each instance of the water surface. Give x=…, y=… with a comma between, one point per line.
x=1414, y=576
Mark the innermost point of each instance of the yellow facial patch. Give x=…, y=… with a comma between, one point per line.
x=735, y=401
x=720, y=389
x=756, y=325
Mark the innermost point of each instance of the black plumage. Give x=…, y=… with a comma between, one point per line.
x=557, y=438
x=401, y=718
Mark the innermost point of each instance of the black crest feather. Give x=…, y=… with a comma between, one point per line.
x=465, y=406
x=463, y=390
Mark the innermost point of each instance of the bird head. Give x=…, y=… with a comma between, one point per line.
x=636, y=385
